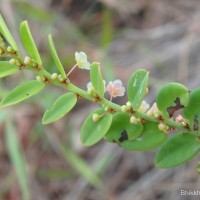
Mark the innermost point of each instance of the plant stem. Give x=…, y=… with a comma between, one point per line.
x=82, y=93
x=72, y=69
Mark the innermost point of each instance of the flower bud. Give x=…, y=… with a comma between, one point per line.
x=95, y=117
x=27, y=60
x=134, y=120
x=13, y=61
x=54, y=76
x=39, y=78
x=124, y=108
x=10, y=49
x=106, y=109
x=61, y=78
x=179, y=118
x=90, y=91
x=128, y=105
x=163, y=127
x=144, y=106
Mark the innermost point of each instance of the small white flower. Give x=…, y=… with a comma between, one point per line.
x=90, y=86
x=81, y=60
x=144, y=106
x=115, y=88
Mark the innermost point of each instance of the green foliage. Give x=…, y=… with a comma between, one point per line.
x=131, y=129
x=22, y=92
x=55, y=57
x=7, y=69
x=29, y=43
x=137, y=87
x=17, y=159
x=177, y=150
x=172, y=97
x=6, y=33
x=192, y=111
x=151, y=138
x=96, y=78
x=93, y=131
x=61, y=106
x=121, y=129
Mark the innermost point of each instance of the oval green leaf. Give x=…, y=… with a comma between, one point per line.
x=121, y=129
x=22, y=92
x=177, y=150
x=6, y=33
x=60, y=107
x=192, y=111
x=151, y=138
x=92, y=132
x=172, y=97
x=137, y=87
x=7, y=69
x=55, y=57
x=29, y=43
x=96, y=78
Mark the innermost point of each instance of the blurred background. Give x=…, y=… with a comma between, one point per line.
x=161, y=36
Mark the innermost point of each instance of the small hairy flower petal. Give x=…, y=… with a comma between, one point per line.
x=81, y=60
x=89, y=85
x=115, y=88
x=144, y=106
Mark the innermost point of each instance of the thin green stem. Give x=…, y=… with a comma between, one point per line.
x=66, y=84
x=72, y=69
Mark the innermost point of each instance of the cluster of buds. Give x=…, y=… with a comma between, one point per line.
x=126, y=107
x=181, y=120
x=154, y=112
x=135, y=120
x=11, y=50
x=164, y=127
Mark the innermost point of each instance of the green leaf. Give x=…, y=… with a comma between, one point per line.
x=192, y=111
x=92, y=132
x=22, y=92
x=137, y=87
x=60, y=107
x=29, y=43
x=151, y=138
x=177, y=150
x=96, y=78
x=17, y=160
x=6, y=33
x=55, y=57
x=172, y=97
x=121, y=129
x=7, y=69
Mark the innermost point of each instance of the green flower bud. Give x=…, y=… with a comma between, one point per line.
x=39, y=78
x=54, y=76
x=27, y=60
x=10, y=49
x=95, y=117
x=13, y=61
x=124, y=108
